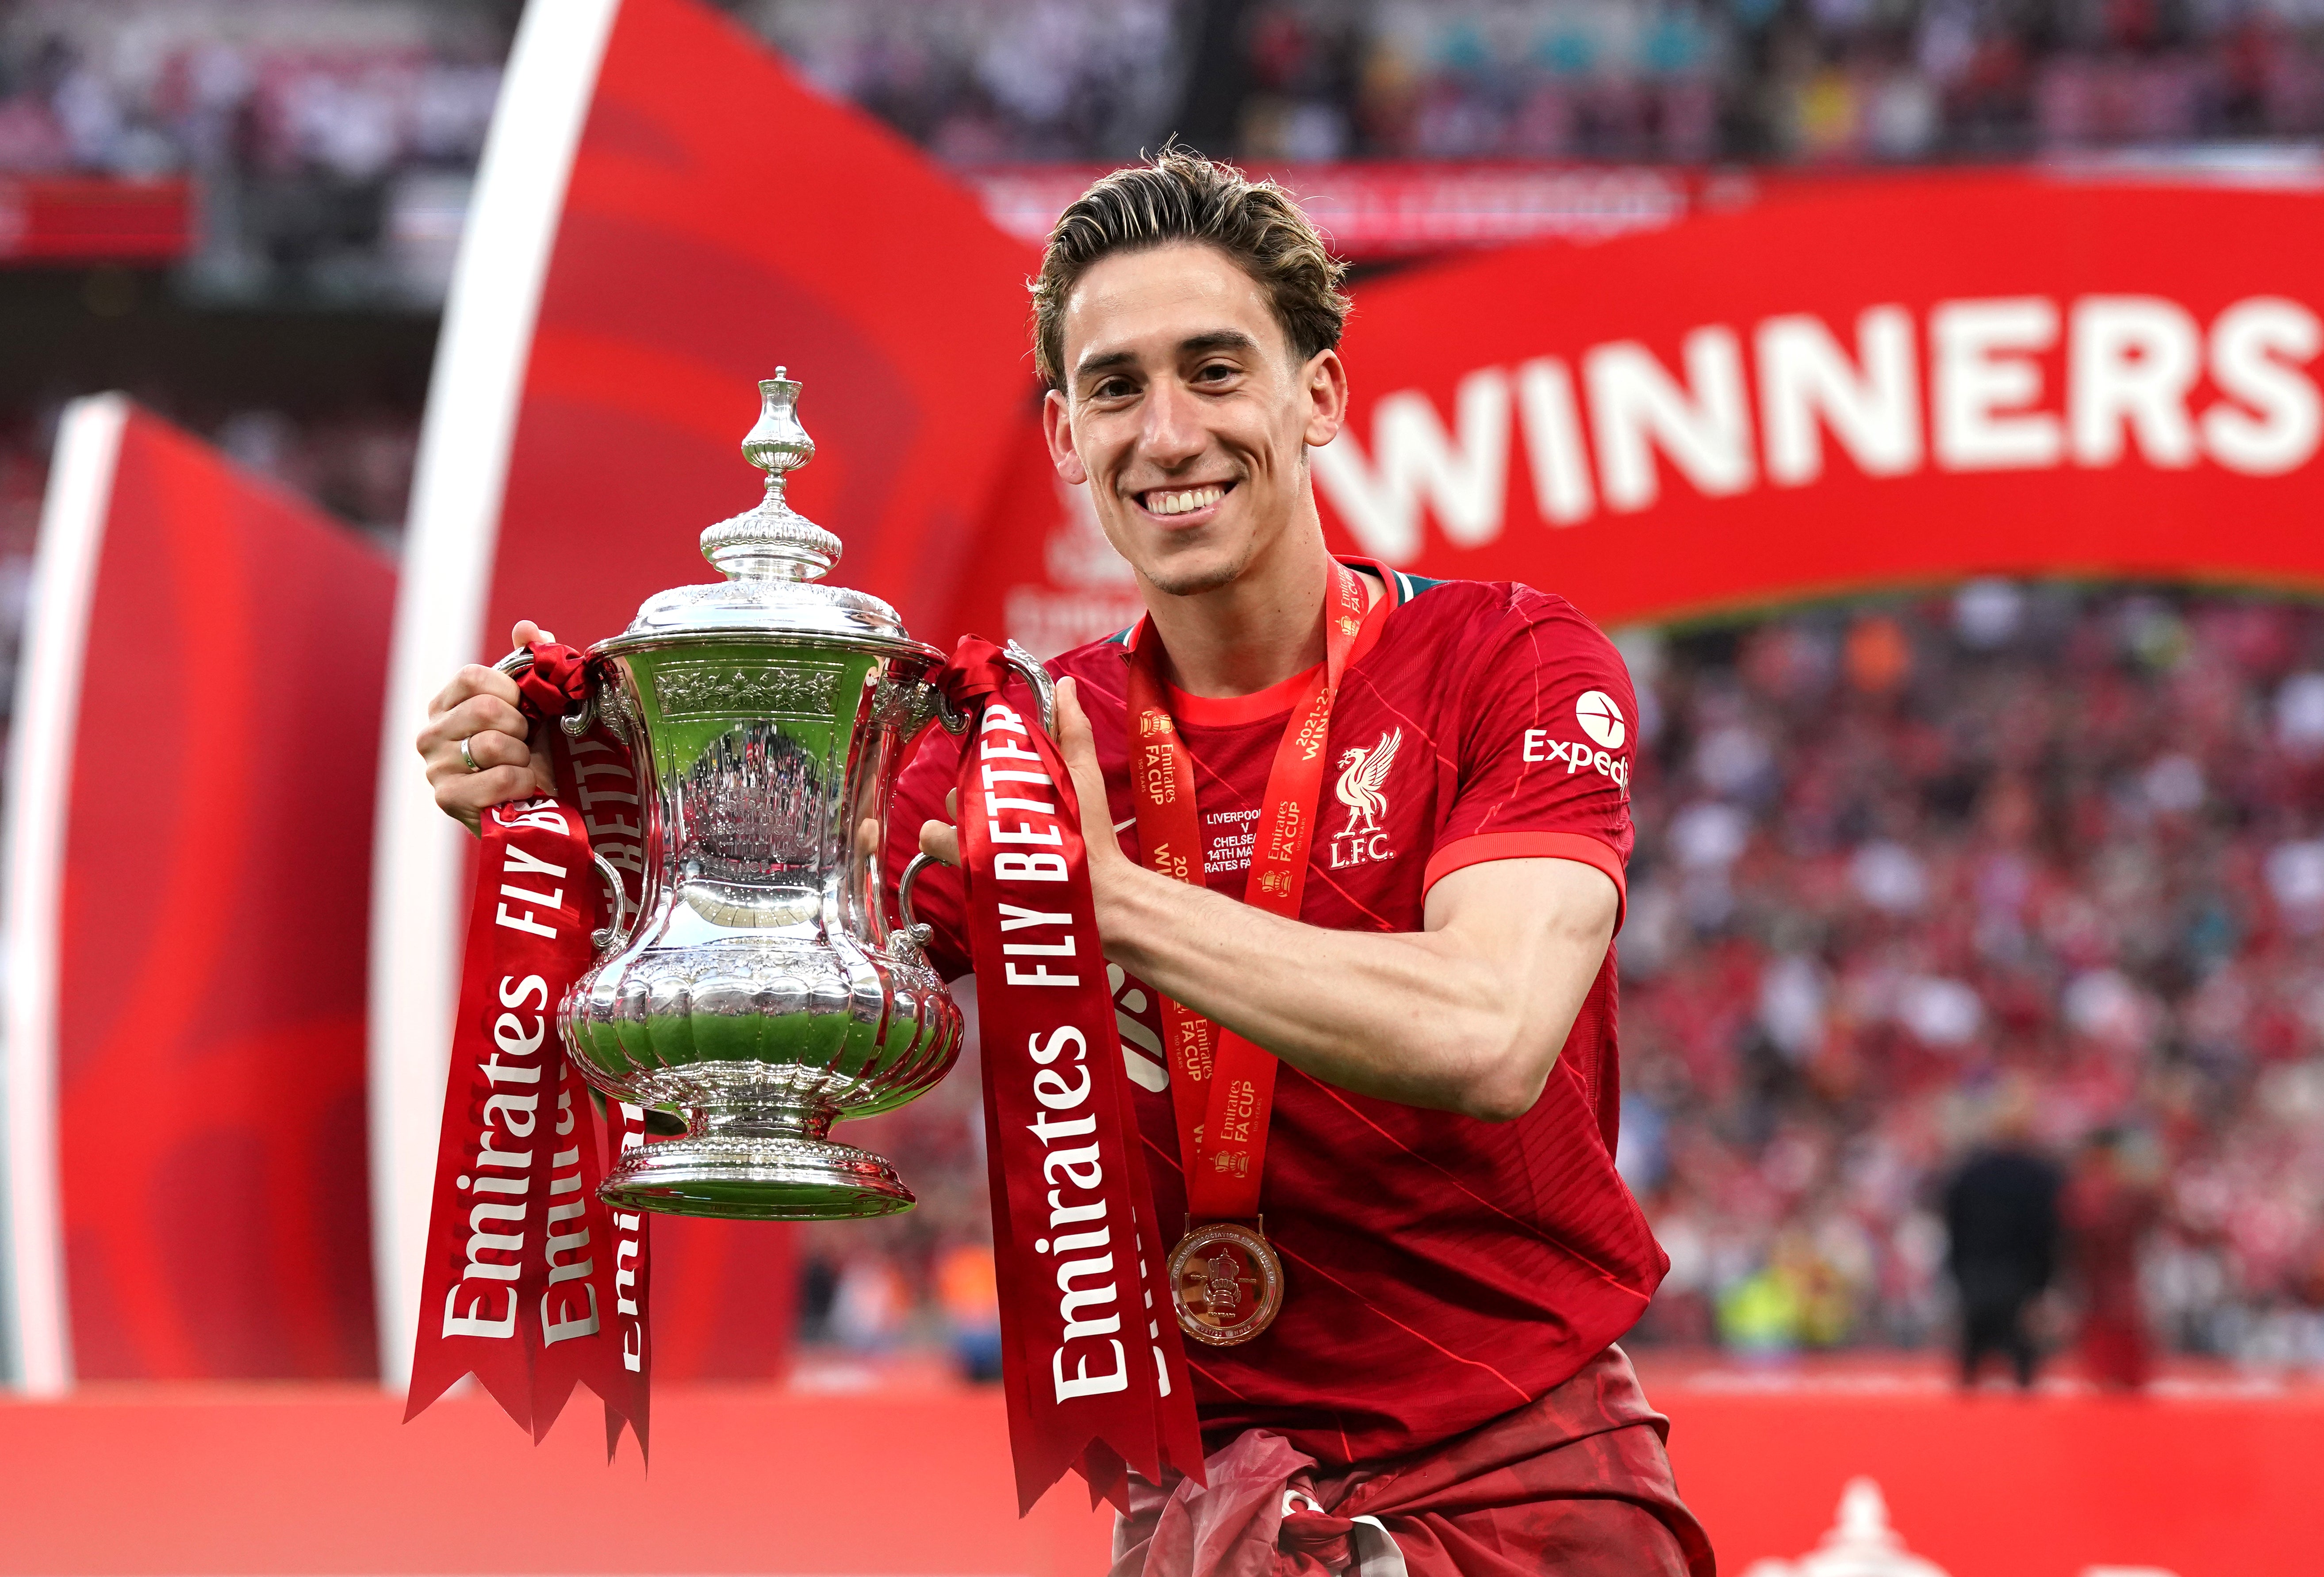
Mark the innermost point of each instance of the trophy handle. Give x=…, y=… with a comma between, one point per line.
x=914, y=932
x=1044, y=689
x=1045, y=698
x=1028, y=667
x=616, y=932
x=518, y=663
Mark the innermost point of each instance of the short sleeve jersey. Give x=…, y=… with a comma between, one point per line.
x=1440, y=1270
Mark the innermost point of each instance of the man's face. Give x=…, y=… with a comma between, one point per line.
x=1188, y=413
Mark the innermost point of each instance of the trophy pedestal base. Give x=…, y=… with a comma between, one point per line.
x=756, y=1177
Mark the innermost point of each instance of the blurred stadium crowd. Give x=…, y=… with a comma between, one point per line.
x=1907, y=872
x=313, y=111
x=333, y=146
x=1903, y=869
x=1623, y=79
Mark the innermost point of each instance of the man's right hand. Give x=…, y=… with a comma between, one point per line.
x=479, y=708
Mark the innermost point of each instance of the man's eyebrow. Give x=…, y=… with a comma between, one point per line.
x=1104, y=363
x=1217, y=340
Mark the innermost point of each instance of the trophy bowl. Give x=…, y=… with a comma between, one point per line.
x=757, y=989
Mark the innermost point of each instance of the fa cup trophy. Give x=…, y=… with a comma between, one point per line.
x=759, y=987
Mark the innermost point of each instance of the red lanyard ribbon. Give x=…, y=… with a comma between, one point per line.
x=531, y=1283
x=1221, y=1087
x=1093, y=1370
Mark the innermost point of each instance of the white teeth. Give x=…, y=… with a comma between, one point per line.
x=1178, y=504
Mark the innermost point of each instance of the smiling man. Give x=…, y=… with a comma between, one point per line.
x=1356, y=844
x=1366, y=990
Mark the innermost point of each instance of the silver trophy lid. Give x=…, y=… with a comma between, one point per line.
x=773, y=557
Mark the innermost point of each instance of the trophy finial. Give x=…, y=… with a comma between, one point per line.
x=773, y=541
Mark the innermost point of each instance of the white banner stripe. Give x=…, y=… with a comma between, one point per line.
x=473, y=402
x=35, y=1328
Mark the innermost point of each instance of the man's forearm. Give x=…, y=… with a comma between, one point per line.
x=1425, y=1017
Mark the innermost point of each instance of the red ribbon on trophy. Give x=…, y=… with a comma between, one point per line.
x=1094, y=1375
x=531, y=1282
x=1226, y=1282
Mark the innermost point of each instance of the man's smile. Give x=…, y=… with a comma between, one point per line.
x=1180, y=505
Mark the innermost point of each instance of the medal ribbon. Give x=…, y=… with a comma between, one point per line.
x=532, y=1283
x=1092, y=1368
x=1221, y=1087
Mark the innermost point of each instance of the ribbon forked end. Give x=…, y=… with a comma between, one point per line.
x=1107, y=1474
x=615, y=1420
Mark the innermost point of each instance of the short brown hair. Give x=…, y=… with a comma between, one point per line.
x=1182, y=196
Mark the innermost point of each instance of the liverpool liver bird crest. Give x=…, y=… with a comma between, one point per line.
x=1361, y=773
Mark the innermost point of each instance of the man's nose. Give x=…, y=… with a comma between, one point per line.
x=1174, y=432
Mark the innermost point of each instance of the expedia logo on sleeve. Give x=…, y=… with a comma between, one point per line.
x=1601, y=719
x=1599, y=715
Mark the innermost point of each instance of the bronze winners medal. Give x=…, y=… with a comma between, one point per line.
x=1226, y=1283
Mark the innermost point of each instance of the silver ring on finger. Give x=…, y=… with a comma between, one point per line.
x=467, y=757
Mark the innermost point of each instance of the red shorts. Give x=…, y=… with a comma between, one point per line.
x=1576, y=1482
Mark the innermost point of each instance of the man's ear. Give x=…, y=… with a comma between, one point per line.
x=1326, y=380
x=1057, y=427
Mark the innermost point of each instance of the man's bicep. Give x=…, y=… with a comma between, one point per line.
x=1545, y=922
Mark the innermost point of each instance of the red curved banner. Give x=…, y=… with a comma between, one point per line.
x=720, y=220
x=210, y=944
x=723, y=218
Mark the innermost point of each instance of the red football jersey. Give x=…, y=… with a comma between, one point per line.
x=1439, y=1270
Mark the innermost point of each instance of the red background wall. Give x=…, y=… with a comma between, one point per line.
x=131, y=1481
